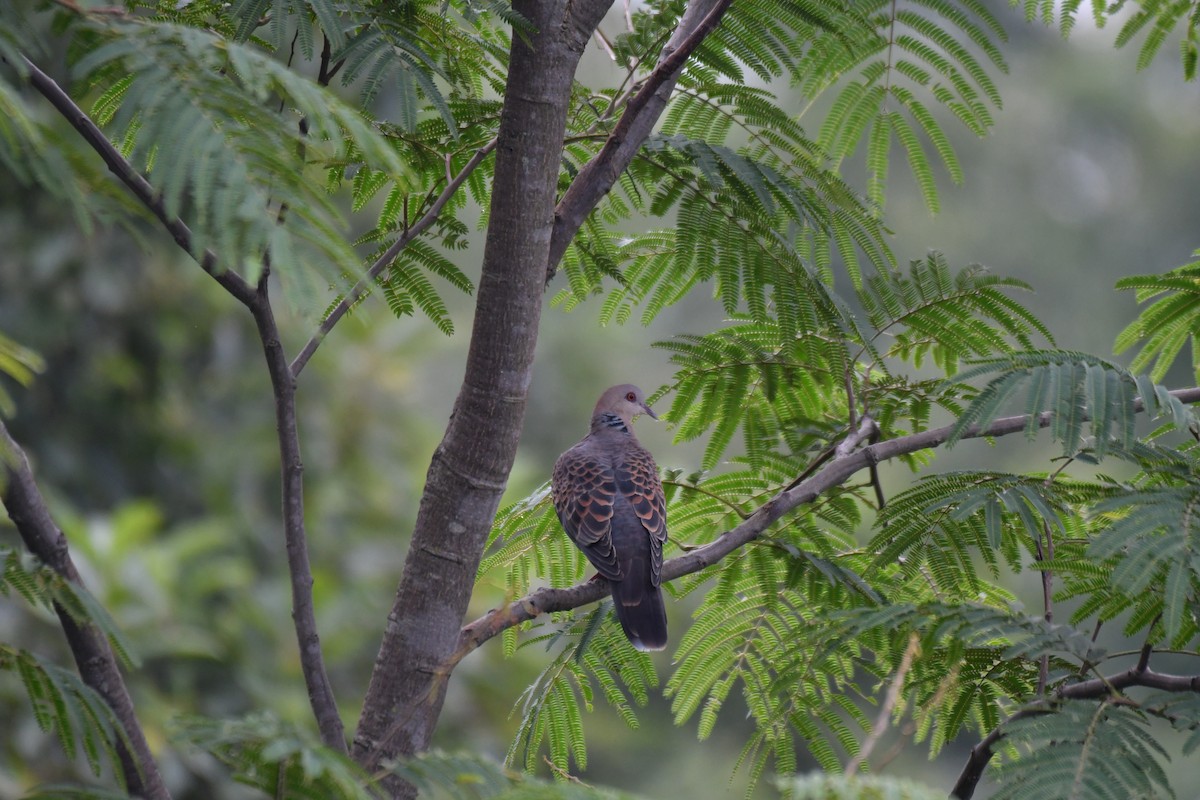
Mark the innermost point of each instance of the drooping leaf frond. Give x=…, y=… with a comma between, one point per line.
x=66, y=706
x=940, y=526
x=1083, y=750
x=196, y=109
x=276, y=758
x=1069, y=392
x=44, y=588
x=907, y=55
x=971, y=661
x=745, y=376
x=932, y=312
x=751, y=633
x=1167, y=324
x=1148, y=536
x=595, y=655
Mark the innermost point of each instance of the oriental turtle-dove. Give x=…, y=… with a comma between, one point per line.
x=610, y=502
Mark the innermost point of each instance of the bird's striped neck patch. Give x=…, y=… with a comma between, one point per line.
x=609, y=420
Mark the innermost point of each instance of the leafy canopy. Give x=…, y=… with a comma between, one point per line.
x=262, y=124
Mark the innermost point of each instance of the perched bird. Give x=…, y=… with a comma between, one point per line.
x=610, y=502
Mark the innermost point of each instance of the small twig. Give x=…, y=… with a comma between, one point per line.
x=884, y=717
x=283, y=387
x=605, y=45
x=389, y=255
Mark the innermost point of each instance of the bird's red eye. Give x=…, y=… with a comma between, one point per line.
x=631, y=397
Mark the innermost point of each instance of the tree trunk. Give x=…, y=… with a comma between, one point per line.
x=470, y=467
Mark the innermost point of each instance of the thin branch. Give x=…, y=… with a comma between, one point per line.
x=883, y=718
x=89, y=646
x=389, y=255
x=283, y=386
x=1094, y=689
x=637, y=121
x=133, y=180
x=848, y=459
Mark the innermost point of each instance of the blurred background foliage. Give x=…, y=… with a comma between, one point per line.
x=151, y=423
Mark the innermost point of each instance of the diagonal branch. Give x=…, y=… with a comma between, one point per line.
x=848, y=458
x=283, y=386
x=389, y=255
x=89, y=646
x=133, y=180
x=641, y=113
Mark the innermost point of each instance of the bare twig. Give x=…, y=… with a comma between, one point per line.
x=133, y=180
x=283, y=386
x=883, y=718
x=89, y=646
x=389, y=255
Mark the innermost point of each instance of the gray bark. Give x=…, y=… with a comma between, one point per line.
x=470, y=467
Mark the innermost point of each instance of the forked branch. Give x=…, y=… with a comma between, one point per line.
x=364, y=284
x=283, y=385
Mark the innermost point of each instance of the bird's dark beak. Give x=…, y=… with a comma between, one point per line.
x=649, y=411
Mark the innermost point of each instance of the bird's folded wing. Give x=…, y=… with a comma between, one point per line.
x=585, y=491
x=637, y=479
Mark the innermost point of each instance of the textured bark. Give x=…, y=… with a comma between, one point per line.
x=89, y=646
x=470, y=467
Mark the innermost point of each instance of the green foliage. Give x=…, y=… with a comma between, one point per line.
x=1099, y=750
x=820, y=786
x=464, y=776
x=807, y=624
x=947, y=317
x=276, y=758
x=1148, y=543
x=906, y=55
x=1166, y=324
x=595, y=653
x=42, y=587
x=64, y=705
x=246, y=182
x=756, y=629
x=1068, y=392
x=20, y=364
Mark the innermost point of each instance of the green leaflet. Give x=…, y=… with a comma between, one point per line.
x=1069, y=392
x=1097, y=750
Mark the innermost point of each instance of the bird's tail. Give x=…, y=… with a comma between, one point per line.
x=640, y=608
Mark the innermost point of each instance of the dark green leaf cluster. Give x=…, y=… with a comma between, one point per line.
x=62, y=704
x=276, y=758
x=822, y=786
x=464, y=776
x=1093, y=749
x=1070, y=392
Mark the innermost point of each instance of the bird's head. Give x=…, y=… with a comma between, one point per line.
x=625, y=400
